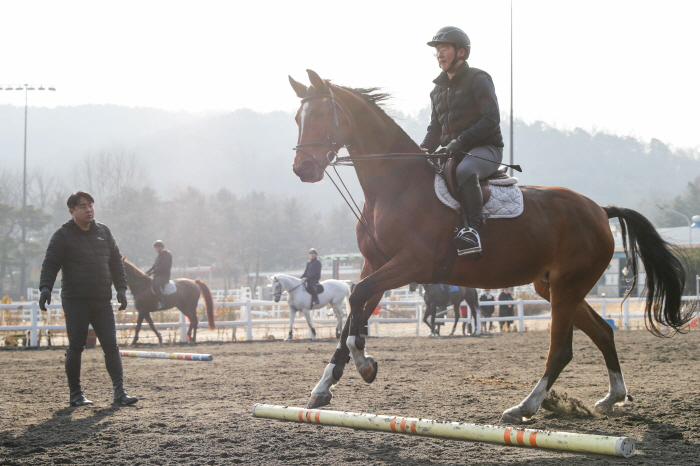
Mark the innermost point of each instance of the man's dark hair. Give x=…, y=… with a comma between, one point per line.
x=74, y=199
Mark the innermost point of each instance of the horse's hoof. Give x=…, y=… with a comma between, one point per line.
x=316, y=401
x=512, y=416
x=289, y=338
x=369, y=373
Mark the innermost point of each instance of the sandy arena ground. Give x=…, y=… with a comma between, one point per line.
x=200, y=412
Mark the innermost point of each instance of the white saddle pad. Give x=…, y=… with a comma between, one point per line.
x=506, y=199
x=169, y=288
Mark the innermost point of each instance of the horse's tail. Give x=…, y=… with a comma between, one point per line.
x=666, y=276
x=209, y=300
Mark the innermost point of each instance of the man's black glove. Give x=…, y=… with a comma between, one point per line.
x=454, y=148
x=121, y=298
x=44, y=299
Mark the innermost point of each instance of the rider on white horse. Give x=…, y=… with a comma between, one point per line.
x=312, y=274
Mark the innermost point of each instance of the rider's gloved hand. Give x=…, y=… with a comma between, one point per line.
x=454, y=148
x=121, y=298
x=44, y=299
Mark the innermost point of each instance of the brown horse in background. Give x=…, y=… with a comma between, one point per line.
x=185, y=299
x=562, y=242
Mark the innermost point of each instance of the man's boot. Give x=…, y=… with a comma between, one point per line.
x=467, y=240
x=113, y=361
x=160, y=297
x=73, y=361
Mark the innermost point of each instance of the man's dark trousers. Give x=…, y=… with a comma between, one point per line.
x=311, y=288
x=158, y=284
x=80, y=313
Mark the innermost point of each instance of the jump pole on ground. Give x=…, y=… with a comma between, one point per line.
x=157, y=355
x=584, y=443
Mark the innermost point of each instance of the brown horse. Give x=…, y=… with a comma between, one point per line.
x=185, y=299
x=562, y=242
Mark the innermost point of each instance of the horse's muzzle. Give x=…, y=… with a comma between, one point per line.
x=308, y=171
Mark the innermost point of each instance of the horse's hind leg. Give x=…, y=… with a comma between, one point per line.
x=564, y=305
x=312, y=330
x=338, y=308
x=598, y=330
x=149, y=319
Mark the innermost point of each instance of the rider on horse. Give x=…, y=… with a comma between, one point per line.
x=161, y=271
x=465, y=118
x=312, y=274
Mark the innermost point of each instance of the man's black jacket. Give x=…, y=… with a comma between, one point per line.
x=90, y=261
x=162, y=265
x=465, y=108
x=313, y=270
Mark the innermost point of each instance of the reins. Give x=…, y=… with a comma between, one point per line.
x=334, y=160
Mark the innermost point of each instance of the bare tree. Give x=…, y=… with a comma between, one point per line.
x=109, y=172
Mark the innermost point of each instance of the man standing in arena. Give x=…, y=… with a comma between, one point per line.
x=90, y=261
x=312, y=274
x=161, y=271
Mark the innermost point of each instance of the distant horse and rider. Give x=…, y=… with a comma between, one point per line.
x=561, y=242
x=332, y=292
x=441, y=296
x=184, y=295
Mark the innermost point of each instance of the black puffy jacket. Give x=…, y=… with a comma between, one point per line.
x=90, y=261
x=313, y=270
x=464, y=107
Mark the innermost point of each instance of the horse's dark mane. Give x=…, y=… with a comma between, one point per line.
x=376, y=100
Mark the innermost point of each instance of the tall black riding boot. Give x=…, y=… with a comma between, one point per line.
x=467, y=240
x=73, y=362
x=113, y=361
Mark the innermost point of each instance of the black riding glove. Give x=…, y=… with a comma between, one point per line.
x=454, y=148
x=121, y=298
x=44, y=299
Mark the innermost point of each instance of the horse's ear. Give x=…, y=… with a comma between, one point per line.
x=316, y=80
x=298, y=87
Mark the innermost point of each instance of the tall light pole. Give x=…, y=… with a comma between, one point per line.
x=511, y=86
x=23, y=246
x=690, y=224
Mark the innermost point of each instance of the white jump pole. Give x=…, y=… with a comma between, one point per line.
x=156, y=355
x=585, y=443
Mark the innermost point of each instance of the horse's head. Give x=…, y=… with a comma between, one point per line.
x=324, y=128
x=277, y=289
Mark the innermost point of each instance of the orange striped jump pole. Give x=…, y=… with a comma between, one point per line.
x=585, y=443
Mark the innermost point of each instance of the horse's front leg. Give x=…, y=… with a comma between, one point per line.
x=399, y=271
x=292, y=315
x=456, y=309
x=138, y=329
x=149, y=319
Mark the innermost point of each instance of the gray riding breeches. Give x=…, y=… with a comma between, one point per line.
x=482, y=168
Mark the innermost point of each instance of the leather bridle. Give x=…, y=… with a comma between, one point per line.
x=333, y=124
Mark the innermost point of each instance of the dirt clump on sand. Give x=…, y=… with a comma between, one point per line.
x=562, y=404
x=200, y=412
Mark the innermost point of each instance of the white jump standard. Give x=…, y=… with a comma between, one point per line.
x=584, y=443
x=157, y=355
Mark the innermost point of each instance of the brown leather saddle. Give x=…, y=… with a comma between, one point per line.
x=449, y=171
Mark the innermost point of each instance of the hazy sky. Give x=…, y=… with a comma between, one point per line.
x=628, y=67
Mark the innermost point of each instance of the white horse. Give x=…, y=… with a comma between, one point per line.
x=334, y=292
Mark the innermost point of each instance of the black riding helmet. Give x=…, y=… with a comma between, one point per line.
x=158, y=243
x=456, y=37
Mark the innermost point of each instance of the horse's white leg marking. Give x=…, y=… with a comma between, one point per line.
x=617, y=393
x=364, y=364
x=528, y=407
